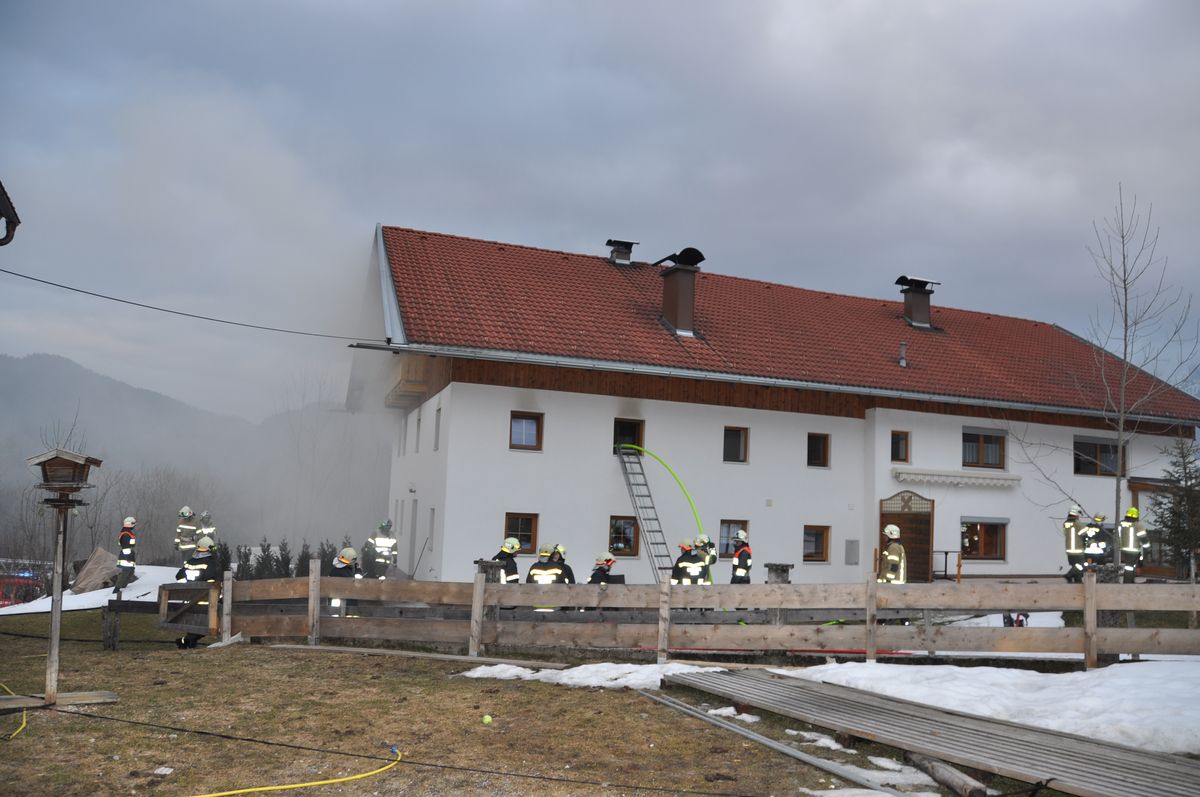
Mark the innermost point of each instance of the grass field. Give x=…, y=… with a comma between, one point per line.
x=544, y=740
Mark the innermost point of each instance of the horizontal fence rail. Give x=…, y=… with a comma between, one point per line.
x=852, y=619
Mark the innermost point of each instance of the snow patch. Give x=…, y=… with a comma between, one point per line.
x=607, y=676
x=730, y=711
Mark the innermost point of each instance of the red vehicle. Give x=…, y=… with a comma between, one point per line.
x=19, y=588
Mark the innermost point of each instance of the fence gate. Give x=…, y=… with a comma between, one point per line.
x=914, y=515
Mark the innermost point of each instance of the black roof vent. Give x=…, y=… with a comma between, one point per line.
x=916, y=292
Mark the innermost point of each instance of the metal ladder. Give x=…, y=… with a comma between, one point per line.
x=649, y=527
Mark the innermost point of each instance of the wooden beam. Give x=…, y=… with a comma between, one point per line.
x=1148, y=597
x=981, y=595
x=227, y=606
x=476, y=613
x=664, y=619
x=414, y=654
x=872, y=603
x=314, y=601
x=1090, y=653
x=64, y=699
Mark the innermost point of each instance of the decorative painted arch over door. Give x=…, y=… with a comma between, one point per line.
x=913, y=513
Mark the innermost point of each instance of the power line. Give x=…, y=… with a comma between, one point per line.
x=189, y=315
x=408, y=761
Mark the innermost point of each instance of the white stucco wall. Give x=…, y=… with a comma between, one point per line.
x=574, y=484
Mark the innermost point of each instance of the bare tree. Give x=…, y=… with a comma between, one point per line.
x=1146, y=325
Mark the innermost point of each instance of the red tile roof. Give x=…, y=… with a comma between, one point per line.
x=464, y=292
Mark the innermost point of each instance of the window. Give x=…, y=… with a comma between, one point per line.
x=627, y=431
x=1095, y=457
x=737, y=440
x=525, y=431
x=982, y=448
x=725, y=542
x=899, y=446
x=818, y=451
x=524, y=528
x=816, y=543
x=623, y=536
x=437, y=428
x=983, y=540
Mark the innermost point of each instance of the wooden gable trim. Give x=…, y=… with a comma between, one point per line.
x=428, y=375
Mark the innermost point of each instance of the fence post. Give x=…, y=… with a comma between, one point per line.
x=110, y=621
x=1090, y=658
x=664, y=620
x=927, y=623
x=314, y=601
x=227, y=607
x=477, y=612
x=778, y=573
x=872, y=587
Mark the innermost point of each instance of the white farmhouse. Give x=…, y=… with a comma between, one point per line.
x=809, y=419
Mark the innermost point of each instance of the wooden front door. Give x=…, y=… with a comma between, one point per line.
x=914, y=515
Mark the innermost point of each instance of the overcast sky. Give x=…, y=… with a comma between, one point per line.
x=232, y=159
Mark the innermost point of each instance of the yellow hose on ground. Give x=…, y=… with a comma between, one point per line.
x=13, y=735
x=305, y=785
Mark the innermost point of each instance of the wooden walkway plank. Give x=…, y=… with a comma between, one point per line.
x=1075, y=764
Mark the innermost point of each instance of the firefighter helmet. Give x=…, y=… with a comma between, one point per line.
x=204, y=543
x=1098, y=519
x=545, y=550
x=186, y=513
x=702, y=539
x=560, y=549
x=606, y=558
x=741, y=534
x=205, y=517
x=1075, y=512
x=891, y=531
x=511, y=544
x=348, y=555
x=130, y=522
x=386, y=525
x=1132, y=513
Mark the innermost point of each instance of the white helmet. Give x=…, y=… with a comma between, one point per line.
x=741, y=534
x=204, y=543
x=130, y=521
x=891, y=531
x=348, y=555
x=512, y=544
x=186, y=512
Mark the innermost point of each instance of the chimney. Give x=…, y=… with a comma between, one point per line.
x=916, y=292
x=679, y=290
x=622, y=251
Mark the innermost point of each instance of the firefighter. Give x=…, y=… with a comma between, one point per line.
x=1073, y=528
x=207, y=527
x=741, y=558
x=707, y=549
x=1097, y=544
x=187, y=531
x=559, y=555
x=604, y=566
x=893, y=565
x=201, y=566
x=508, y=557
x=545, y=570
x=1134, y=541
x=689, y=567
x=127, y=558
x=383, y=550
x=345, y=565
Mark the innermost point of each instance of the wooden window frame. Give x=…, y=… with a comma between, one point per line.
x=1000, y=529
x=1092, y=460
x=538, y=421
x=745, y=524
x=980, y=435
x=509, y=517
x=907, y=437
x=745, y=444
x=827, y=456
x=826, y=533
x=637, y=534
x=641, y=433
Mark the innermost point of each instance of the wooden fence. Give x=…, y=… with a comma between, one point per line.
x=691, y=618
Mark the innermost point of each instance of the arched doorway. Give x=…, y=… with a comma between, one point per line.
x=914, y=515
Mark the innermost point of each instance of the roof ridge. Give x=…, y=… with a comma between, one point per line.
x=490, y=241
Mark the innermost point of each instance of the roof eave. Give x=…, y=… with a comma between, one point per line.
x=713, y=376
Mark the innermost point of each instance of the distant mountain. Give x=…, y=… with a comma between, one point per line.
x=42, y=394
x=311, y=473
